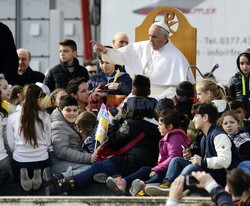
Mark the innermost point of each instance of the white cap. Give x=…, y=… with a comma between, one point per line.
x=162, y=25
x=44, y=87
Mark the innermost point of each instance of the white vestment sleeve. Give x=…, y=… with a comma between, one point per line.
x=114, y=57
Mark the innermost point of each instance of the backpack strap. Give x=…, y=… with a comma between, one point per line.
x=130, y=144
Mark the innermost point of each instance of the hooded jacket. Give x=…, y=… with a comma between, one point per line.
x=171, y=146
x=67, y=145
x=239, y=84
x=124, y=80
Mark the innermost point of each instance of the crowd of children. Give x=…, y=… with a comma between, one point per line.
x=53, y=134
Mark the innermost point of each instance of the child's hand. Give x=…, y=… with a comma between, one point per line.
x=186, y=154
x=94, y=156
x=152, y=174
x=111, y=117
x=196, y=160
x=113, y=86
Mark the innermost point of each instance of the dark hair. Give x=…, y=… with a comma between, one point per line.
x=3, y=112
x=176, y=119
x=69, y=42
x=235, y=104
x=238, y=181
x=140, y=107
x=86, y=121
x=206, y=108
x=29, y=114
x=245, y=198
x=15, y=92
x=53, y=95
x=185, y=89
x=164, y=106
x=67, y=101
x=73, y=85
x=141, y=85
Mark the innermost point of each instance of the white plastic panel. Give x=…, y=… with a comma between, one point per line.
x=77, y=34
x=7, y=9
x=35, y=9
x=80, y=58
x=39, y=64
x=37, y=44
x=70, y=8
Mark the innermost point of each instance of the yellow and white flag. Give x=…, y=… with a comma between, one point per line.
x=102, y=129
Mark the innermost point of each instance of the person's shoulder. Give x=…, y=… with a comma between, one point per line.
x=4, y=28
x=237, y=75
x=14, y=116
x=124, y=74
x=36, y=73
x=56, y=115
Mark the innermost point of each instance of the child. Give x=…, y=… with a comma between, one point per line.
x=68, y=69
x=230, y=122
x=209, y=91
x=106, y=77
x=66, y=140
x=184, y=98
x=86, y=124
x=164, y=107
x=28, y=133
x=54, y=99
x=239, y=83
x=5, y=163
x=5, y=89
x=171, y=145
x=16, y=96
x=5, y=95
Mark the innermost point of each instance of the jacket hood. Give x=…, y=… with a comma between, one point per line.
x=181, y=132
x=57, y=116
x=247, y=52
x=220, y=104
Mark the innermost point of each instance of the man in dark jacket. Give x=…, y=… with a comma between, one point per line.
x=25, y=75
x=68, y=69
x=8, y=55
